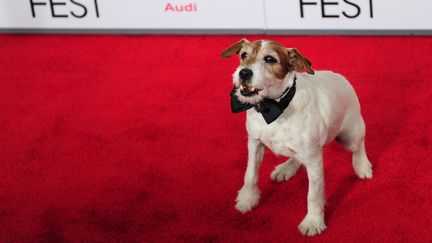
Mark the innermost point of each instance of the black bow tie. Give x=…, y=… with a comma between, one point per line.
x=269, y=108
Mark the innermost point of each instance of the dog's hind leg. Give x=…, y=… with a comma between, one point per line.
x=248, y=196
x=285, y=170
x=362, y=166
x=352, y=137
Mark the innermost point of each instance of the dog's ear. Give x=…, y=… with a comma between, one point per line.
x=235, y=48
x=298, y=62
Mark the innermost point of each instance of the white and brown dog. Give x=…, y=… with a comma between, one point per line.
x=315, y=108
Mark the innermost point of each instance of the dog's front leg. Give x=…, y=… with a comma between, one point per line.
x=314, y=223
x=249, y=194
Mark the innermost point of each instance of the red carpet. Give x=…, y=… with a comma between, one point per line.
x=131, y=139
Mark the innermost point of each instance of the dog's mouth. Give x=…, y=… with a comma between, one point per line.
x=248, y=90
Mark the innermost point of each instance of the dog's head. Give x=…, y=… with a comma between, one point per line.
x=263, y=68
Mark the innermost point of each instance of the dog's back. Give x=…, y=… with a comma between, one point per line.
x=330, y=95
x=329, y=87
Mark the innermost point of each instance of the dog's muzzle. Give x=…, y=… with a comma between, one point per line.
x=246, y=89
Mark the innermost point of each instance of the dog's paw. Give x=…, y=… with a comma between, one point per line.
x=312, y=225
x=247, y=198
x=285, y=171
x=363, y=170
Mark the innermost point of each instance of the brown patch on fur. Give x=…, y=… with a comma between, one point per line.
x=252, y=49
x=289, y=59
x=234, y=48
x=279, y=69
x=255, y=54
x=298, y=62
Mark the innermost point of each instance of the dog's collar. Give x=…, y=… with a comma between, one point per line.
x=269, y=108
x=288, y=94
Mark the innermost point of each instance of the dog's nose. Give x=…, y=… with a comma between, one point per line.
x=245, y=74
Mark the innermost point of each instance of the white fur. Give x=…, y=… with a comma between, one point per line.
x=325, y=106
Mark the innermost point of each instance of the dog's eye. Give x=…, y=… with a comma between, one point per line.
x=270, y=59
x=243, y=55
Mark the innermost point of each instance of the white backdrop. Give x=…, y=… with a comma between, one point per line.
x=223, y=16
x=349, y=15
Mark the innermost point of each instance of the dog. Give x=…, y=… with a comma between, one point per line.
x=294, y=111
